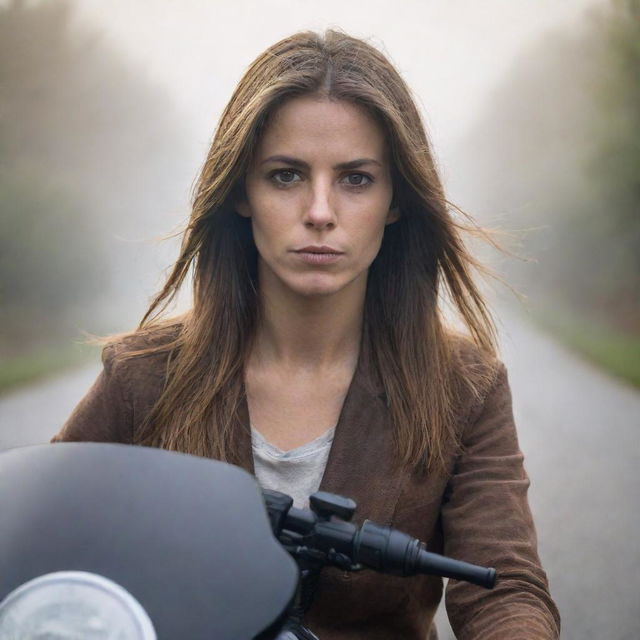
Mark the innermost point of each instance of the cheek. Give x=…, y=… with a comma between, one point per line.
x=271, y=230
x=371, y=236
x=264, y=234
x=271, y=210
x=263, y=214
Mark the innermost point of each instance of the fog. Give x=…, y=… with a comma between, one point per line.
x=451, y=53
x=454, y=55
x=115, y=103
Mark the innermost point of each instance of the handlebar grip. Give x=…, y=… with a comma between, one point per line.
x=457, y=569
x=391, y=551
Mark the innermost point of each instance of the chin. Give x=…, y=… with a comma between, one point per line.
x=318, y=287
x=316, y=291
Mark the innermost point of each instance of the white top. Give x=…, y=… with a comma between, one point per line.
x=297, y=472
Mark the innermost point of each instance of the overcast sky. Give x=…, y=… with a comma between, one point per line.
x=452, y=52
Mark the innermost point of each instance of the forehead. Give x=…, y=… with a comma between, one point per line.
x=311, y=127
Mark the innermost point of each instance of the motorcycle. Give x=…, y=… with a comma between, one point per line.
x=113, y=542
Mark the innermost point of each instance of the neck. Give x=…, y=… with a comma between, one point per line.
x=317, y=332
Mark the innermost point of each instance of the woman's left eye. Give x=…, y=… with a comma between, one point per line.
x=357, y=180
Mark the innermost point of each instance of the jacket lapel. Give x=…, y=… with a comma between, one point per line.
x=360, y=464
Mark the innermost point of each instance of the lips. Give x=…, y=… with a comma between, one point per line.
x=315, y=255
x=320, y=250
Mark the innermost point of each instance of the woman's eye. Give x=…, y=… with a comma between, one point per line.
x=357, y=180
x=285, y=176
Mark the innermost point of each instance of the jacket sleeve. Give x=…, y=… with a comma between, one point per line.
x=104, y=414
x=486, y=520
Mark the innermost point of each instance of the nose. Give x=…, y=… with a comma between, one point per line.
x=320, y=212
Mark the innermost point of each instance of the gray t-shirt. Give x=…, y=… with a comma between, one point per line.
x=297, y=472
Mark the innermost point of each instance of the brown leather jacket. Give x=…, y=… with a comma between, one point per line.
x=475, y=511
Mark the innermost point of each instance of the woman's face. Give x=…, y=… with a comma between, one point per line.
x=318, y=193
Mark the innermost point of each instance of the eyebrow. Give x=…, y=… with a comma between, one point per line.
x=342, y=166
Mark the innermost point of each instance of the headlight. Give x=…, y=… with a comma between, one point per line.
x=73, y=605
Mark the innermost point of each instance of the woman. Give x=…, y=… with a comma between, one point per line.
x=315, y=353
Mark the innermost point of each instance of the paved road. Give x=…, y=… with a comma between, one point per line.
x=33, y=414
x=580, y=431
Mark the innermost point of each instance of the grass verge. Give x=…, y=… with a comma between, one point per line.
x=617, y=352
x=42, y=362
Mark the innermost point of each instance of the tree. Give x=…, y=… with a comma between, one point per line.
x=87, y=143
x=559, y=147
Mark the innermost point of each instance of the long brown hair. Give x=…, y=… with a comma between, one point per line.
x=421, y=258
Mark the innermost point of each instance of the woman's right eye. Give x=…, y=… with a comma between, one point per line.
x=284, y=176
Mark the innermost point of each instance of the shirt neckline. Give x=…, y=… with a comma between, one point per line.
x=258, y=441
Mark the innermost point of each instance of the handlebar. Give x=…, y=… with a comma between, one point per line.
x=324, y=532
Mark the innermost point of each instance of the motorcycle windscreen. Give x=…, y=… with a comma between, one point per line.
x=187, y=537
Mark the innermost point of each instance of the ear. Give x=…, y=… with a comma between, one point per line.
x=393, y=215
x=242, y=206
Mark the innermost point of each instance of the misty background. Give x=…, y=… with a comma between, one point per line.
x=107, y=111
